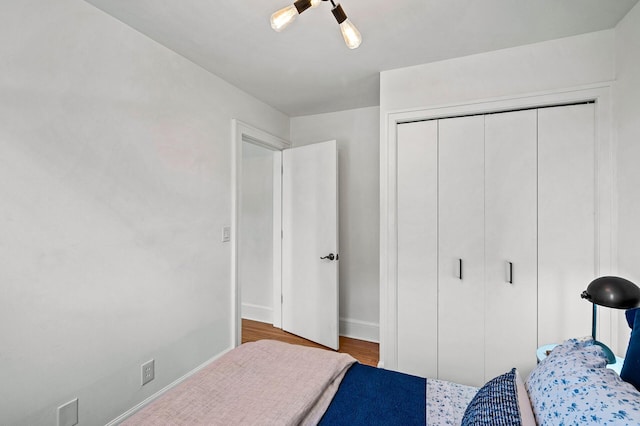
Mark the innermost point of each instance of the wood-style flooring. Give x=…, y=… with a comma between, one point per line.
x=365, y=352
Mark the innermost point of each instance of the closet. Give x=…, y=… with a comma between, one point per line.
x=495, y=239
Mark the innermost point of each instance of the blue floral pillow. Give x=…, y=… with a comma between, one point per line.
x=496, y=403
x=573, y=386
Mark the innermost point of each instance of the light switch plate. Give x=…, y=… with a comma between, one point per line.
x=68, y=413
x=226, y=234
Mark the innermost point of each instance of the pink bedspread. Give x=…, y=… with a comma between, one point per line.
x=260, y=383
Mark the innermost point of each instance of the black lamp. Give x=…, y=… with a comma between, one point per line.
x=612, y=292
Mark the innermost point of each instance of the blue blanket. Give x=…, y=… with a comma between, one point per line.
x=373, y=396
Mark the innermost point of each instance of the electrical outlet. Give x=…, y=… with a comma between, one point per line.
x=68, y=413
x=148, y=372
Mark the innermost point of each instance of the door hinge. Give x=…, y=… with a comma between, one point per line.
x=281, y=299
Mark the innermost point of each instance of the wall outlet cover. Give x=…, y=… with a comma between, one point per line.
x=148, y=372
x=68, y=413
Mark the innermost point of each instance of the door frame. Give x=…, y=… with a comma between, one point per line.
x=242, y=132
x=605, y=194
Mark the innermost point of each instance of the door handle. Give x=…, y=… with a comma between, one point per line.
x=509, y=272
x=458, y=269
x=330, y=256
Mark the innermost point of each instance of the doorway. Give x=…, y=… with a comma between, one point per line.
x=284, y=235
x=255, y=242
x=255, y=146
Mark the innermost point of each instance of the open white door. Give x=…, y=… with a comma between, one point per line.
x=310, y=242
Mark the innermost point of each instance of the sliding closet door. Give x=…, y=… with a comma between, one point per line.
x=461, y=250
x=418, y=248
x=510, y=242
x=567, y=217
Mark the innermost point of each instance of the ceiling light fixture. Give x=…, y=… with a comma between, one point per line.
x=283, y=17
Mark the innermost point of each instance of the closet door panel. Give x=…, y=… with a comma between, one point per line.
x=461, y=238
x=566, y=235
x=417, y=247
x=510, y=242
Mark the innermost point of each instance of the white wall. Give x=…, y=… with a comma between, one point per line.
x=627, y=116
x=357, y=135
x=551, y=65
x=255, y=260
x=115, y=184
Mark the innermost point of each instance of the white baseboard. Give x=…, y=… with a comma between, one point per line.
x=361, y=330
x=156, y=395
x=257, y=313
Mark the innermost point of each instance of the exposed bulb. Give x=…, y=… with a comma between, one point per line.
x=315, y=3
x=283, y=17
x=350, y=34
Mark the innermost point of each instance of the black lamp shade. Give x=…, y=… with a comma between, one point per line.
x=613, y=292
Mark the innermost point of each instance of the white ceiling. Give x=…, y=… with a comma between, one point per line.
x=307, y=69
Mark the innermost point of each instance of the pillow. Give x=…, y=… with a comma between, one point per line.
x=630, y=372
x=573, y=386
x=526, y=412
x=496, y=403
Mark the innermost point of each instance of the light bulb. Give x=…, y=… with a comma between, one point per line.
x=349, y=31
x=283, y=17
x=350, y=34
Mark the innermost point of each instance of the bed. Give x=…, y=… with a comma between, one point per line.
x=275, y=383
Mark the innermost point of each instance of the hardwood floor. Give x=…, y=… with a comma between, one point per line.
x=365, y=352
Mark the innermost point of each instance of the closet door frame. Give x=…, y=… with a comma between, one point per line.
x=605, y=224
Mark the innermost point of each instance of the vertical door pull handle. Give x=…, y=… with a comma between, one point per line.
x=509, y=272
x=458, y=271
